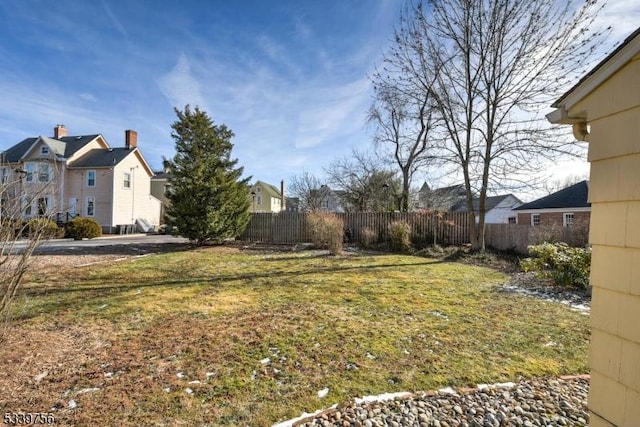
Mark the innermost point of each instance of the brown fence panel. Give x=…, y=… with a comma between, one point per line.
x=451, y=228
x=516, y=237
x=512, y=237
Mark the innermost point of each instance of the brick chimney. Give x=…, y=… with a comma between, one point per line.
x=59, y=131
x=130, y=139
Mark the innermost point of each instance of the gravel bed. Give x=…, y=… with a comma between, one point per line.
x=533, y=285
x=529, y=403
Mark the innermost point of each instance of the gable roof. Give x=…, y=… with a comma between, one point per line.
x=100, y=157
x=574, y=196
x=272, y=190
x=74, y=143
x=490, y=203
x=64, y=147
x=67, y=146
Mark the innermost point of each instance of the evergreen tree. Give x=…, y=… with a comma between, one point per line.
x=208, y=199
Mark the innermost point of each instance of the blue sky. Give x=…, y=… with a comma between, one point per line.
x=289, y=77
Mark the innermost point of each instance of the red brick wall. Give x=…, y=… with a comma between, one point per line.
x=551, y=218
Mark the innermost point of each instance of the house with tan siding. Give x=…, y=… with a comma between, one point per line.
x=604, y=110
x=67, y=176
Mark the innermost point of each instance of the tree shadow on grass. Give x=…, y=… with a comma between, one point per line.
x=77, y=296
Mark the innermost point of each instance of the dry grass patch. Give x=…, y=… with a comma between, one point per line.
x=219, y=336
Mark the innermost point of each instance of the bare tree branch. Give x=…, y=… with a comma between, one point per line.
x=487, y=68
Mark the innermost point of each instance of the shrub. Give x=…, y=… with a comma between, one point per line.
x=43, y=227
x=400, y=236
x=567, y=266
x=83, y=228
x=368, y=237
x=327, y=231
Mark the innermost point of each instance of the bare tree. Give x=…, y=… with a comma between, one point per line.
x=404, y=118
x=309, y=190
x=489, y=66
x=18, y=237
x=553, y=185
x=366, y=185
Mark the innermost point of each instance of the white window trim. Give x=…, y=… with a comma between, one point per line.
x=535, y=216
x=30, y=168
x=95, y=175
x=48, y=201
x=46, y=166
x=92, y=199
x=4, y=175
x=565, y=223
x=124, y=180
x=27, y=203
x=44, y=150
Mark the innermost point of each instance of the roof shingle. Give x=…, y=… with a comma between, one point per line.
x=574, y=196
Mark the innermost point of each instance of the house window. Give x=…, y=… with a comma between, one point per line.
x=535, y=219
x=259, y=199
x=44, y=150
x=26, y=206
x=43, y=206
x=258, y=189
x=44, y=172
x=4, y=175
x=512, y=220
x=30, y=168
x=91, y=206
x=567, y=219
x=91, y=178
x=126, y=183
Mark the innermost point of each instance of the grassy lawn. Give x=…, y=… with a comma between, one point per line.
x=220, y=336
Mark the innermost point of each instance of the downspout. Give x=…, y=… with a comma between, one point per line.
x=63, y=163
x=113, y=192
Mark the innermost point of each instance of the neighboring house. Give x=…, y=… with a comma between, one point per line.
x=83, y=176
x=292, y=204
x=604, y=110
x=565, y=207
x=440, y=199
x=328, y=200
x=498, y=209
x=159, y=184
x=265, y=197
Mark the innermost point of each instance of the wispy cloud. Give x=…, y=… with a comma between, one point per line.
x=114, y=20
x=334, y=112
x=180, y=87
x=621, y=17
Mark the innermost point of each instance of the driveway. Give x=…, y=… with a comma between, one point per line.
x=105, y=243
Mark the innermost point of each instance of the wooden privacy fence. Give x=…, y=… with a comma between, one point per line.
x=451, y=228
x=516, y=237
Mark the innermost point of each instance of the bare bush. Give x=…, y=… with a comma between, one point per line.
x=19, y=237
x=368, y=237
x=327, y=231
x=400, y=236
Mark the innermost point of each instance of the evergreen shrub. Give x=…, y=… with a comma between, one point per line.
x=43, y=227
x=567, y=266
x=83, y=228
